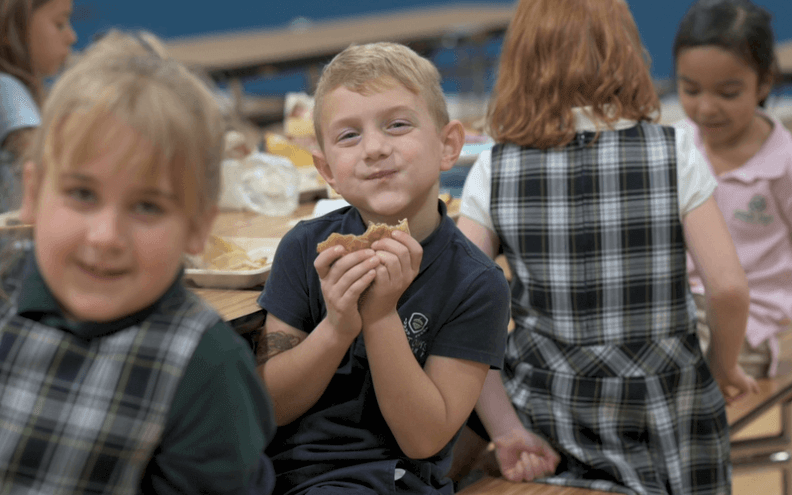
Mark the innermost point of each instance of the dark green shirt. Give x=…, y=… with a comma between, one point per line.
x=221, y=418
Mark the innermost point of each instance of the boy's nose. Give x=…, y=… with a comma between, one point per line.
x=375, y=145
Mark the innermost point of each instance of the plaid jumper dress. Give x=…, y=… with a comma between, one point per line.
x=604, y=361
x=84, y=416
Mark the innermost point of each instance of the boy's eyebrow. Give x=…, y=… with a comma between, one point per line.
x=389, y=110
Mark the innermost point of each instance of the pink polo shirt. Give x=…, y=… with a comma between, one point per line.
x=756, y=202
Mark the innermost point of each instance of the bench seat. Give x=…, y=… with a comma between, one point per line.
x=499, y=486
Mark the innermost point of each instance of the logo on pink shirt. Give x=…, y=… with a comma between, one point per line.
x=755, y=213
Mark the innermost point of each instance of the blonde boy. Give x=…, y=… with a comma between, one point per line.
x=370, y=392
x=115, y=378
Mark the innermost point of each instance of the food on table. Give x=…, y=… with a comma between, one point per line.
x=236, y=146
x=351, y=242
x=224, y=254
x=298, y=151
x=298, y=115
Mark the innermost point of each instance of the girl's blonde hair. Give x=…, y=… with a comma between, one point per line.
x=376, y=67
x=123, y=82
x=561, y=54
x=15, y=17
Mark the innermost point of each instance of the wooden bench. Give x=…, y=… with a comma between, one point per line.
x=499, y=486
x=770, y=452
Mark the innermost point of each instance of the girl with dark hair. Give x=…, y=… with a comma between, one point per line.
x=726, y=67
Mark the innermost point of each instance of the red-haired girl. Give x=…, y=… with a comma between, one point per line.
x=594, y=206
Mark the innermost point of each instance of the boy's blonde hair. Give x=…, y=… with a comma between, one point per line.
x=376, y=67
x=561, y=54
x=124, y=82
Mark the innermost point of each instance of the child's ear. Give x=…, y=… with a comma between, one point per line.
x=199, y=232
x=31, y=182
x=453, y=138
x=763, y=91
x=323, y=167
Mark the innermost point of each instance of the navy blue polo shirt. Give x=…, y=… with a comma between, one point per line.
x=457, y=307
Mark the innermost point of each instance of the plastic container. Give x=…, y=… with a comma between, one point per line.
x=269, y=184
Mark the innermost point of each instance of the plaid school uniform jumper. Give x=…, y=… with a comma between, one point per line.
x=604, y=360
x=84, y=416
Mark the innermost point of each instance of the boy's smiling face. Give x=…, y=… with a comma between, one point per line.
x=383, y=152
x=108, y=241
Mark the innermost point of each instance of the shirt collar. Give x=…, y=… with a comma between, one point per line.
x=434, y=244
x=585, y=121
x=767, y=163
x=36, y=302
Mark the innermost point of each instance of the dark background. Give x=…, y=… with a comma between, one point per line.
x=169, y=19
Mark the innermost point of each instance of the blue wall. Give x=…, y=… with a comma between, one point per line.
x=657, y=20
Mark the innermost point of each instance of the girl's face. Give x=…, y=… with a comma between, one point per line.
x=719, y=92
x=50, y=37
x=109, y=242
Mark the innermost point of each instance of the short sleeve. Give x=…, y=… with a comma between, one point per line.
x=18, y=109
x=286, y=293
x=478, y=328
x=477, y=191
x=220, y=421
x=695, y=183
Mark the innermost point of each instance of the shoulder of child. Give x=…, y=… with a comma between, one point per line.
x=221, y=372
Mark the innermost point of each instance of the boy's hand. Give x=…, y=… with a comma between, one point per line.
x=400, y=257
x=344, y=277
x=733, y=378
x=523, y=456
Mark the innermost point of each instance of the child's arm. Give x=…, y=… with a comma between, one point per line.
x=484, y=238
x=424, y=407
x=522, y=456
x=297, y=366
x=726, y=291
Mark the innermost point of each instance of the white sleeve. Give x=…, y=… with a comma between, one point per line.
x=695, y=183
x=477, y=191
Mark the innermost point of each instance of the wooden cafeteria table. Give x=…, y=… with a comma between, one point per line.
x=246, y=53
x=249, y=224
x=499, y=486
x=769, y=451
x=238, y=306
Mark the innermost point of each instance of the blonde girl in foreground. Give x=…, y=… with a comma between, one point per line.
x=114, y=377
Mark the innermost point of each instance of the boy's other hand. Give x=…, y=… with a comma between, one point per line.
x=343, y=278
x=400, y=257
x=524, y=456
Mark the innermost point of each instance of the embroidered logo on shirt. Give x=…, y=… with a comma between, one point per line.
x=755, y=213
x=415, y=326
